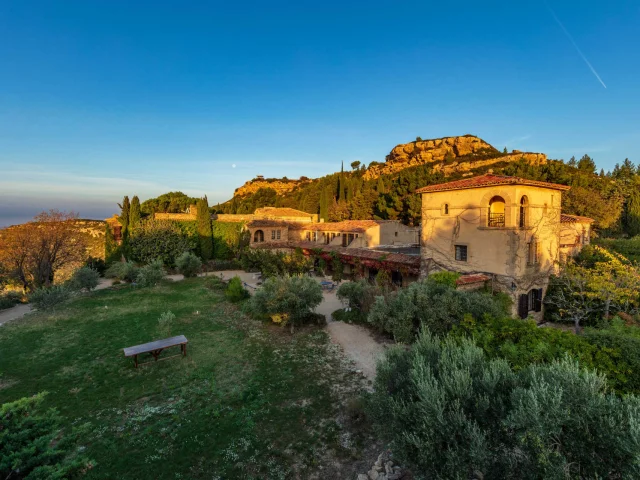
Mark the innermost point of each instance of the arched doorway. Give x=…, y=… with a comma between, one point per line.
x=258, y=236
x=524, y=211
x=496, y=212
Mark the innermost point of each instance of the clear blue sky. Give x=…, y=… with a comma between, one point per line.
x=104, y=98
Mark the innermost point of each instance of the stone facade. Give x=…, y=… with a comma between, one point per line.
x=506, y=227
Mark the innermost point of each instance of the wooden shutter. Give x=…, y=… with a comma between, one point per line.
x=538, y=300
x=523, y=306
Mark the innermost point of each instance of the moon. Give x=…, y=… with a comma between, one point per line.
x=233, y=165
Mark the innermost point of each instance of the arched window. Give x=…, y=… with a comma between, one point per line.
x=258, y=236
x=496, y=212
x=445, y=209
x=524, y=211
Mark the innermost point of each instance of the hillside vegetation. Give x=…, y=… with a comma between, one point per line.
x=386, y=190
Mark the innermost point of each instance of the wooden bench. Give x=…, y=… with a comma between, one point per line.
x=155, y=348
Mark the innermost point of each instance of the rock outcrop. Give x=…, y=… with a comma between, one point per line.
x=450, y=154
x=280, y=186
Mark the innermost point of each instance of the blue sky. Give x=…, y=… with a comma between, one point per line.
x=104, y=98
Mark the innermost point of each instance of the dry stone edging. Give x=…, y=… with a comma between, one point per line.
x=383, y=469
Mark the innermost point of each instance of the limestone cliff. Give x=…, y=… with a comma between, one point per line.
x=281, y=186
x=449, y=155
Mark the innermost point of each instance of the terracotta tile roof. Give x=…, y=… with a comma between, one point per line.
x=472, y=278
x=281, y=212
x=269, y=223
x=344, y=226
x=488, y=181
x=564, y=218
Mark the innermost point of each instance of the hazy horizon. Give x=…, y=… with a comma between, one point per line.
x=105, y=99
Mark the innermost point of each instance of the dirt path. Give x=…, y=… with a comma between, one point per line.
x=14, y=313
x=356, y=341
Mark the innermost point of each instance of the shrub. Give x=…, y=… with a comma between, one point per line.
x=49, y=298
x=359, y=295
x=444, y=278
x=188, y=264
x=150, y=275
x=214, y=283
x=10, y=299
x=165, y=323
x=97, y=264
x=123, y=271
x=273, y=264
x=295, y=296
x=235, y=291
x=429, y=304
x=449, y=412
x=522, y=342
x=84, y=278
x=32, y=445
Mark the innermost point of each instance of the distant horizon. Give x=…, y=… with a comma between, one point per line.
x=106, y=99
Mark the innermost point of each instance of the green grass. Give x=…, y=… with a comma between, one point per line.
x=248, y=401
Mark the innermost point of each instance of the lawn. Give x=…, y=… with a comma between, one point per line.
x=248, y=401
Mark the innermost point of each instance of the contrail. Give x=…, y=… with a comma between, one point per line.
x=573, y=42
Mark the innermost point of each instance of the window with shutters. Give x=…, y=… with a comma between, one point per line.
x=461, y=253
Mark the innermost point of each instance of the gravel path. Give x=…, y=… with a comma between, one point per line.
x=356, y=341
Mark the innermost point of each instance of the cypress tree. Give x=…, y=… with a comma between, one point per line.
x=205, y=232
x=324, y=204
x=124, y=216
x=134, y=214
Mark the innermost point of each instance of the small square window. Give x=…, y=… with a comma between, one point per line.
x=396, y=234
x=445, y=209
x=461, y=253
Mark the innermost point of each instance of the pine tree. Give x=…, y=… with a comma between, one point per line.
x=380, y=188
x=124, y=217
x=632, y=212
x=134, y=214
x=205, y=232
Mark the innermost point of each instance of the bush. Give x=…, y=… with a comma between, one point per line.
x=359, y=295
x=214, y=283
x=84, y=278
x=96, y=264
x=429, y=304
x=32, y=445
x=49, y=298
x=123, y=271
x=294, y=296
x=165, y=323
x=274, y=264
x=449, y=412
x=522, y=343
x=10, y=299
x=235, y=291
x=188, y=264
x=150, y=275
x=444, y=278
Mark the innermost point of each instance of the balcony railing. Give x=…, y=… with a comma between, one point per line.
x=496, y=219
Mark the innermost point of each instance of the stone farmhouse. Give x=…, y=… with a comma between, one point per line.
x=364, y=245
x=508, y=231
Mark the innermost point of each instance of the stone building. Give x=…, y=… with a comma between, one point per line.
x=507, y=228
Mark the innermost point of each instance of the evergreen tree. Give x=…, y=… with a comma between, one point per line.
x=205, y=232
x=380, y=188
x=134, y=214
x=324, y=205
x=586, y=164
x=632, y=211
x=125, y=217
x=505, y=150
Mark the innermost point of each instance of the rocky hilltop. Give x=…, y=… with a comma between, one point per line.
x=281, y=186
x=449, y=155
